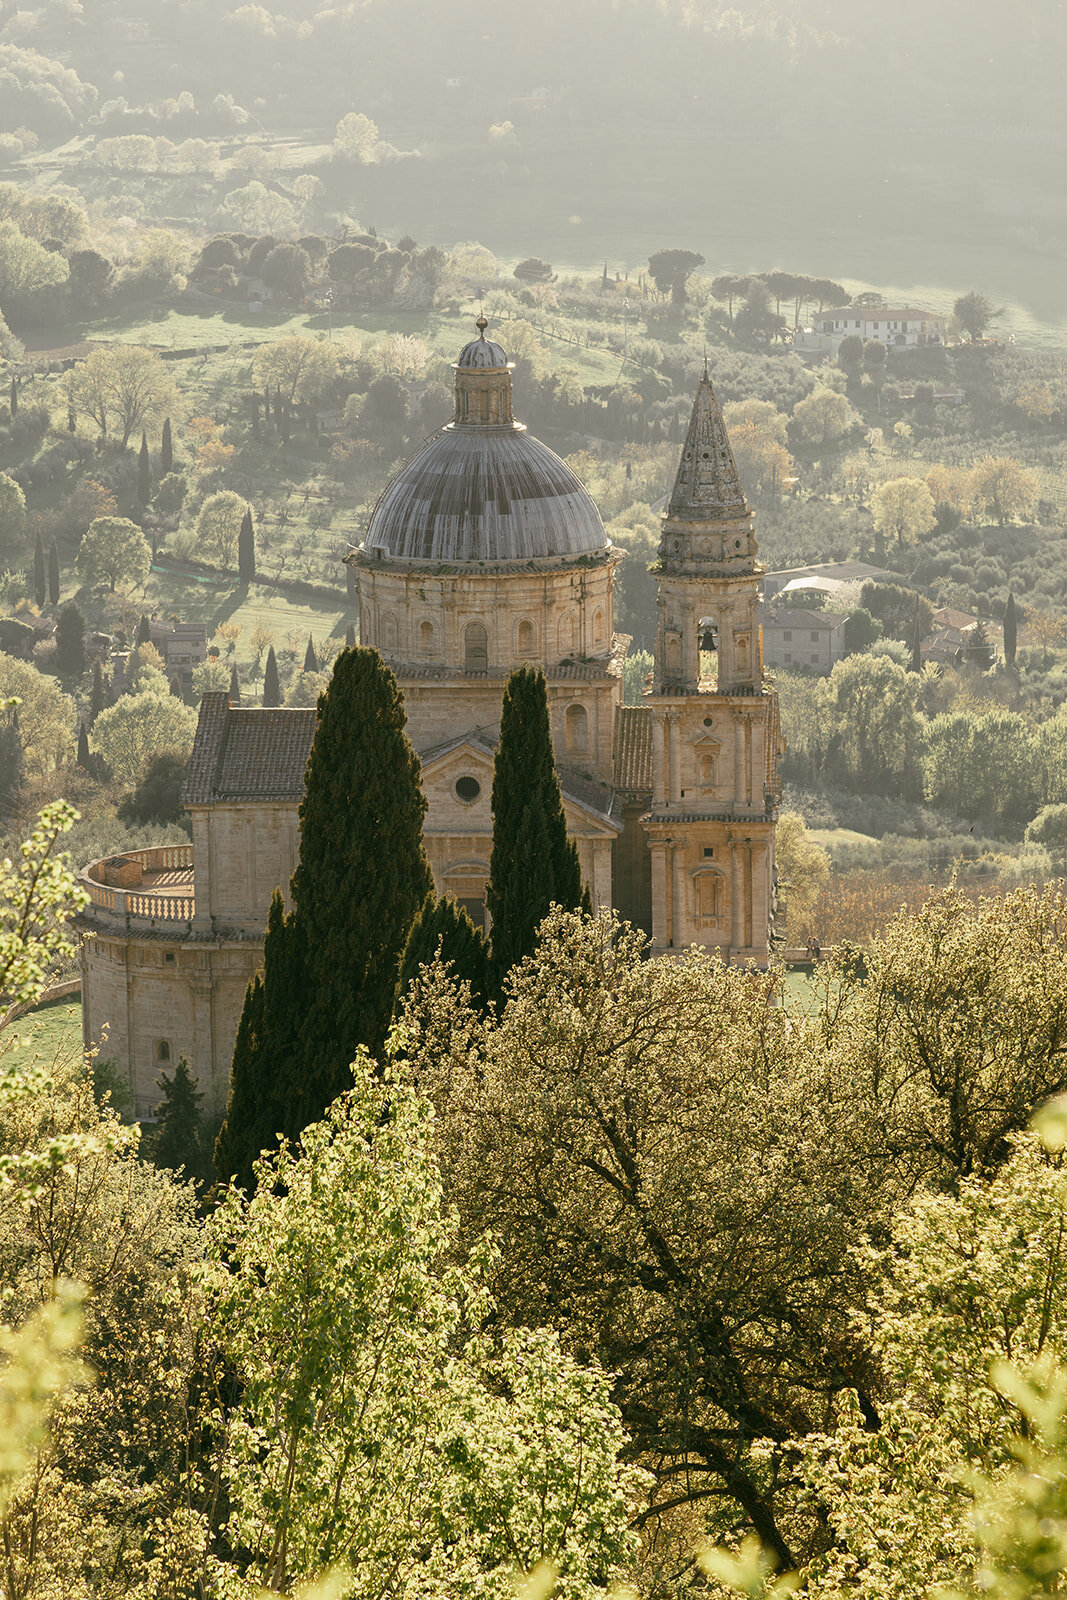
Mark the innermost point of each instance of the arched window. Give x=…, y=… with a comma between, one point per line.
x=163, y=1050
x=426, y=638
x=709, y=768
x=526, y=638
x=598, y=627
x=475, y=648
x=577, y=729
x=390, y=631
x=674, y=653
x=566, y=634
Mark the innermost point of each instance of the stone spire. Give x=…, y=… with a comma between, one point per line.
x=707, y=488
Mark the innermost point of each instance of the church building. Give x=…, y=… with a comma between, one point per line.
x=484, y=553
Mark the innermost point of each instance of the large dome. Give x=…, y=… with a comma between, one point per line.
x=483, y=489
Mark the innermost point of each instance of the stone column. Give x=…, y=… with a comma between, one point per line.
x=659, y=893
x=737, y=898
x=739, y=759
x=658, y=784
x=760, y=896
x=675, y=738
x=678, y=908
x=750, y=797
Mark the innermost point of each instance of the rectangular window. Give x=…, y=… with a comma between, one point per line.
x=814, y=636
x=788, y=636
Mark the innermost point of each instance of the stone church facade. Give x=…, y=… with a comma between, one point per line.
x=484, y=553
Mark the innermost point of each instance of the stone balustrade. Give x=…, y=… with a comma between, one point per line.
x=161, y=899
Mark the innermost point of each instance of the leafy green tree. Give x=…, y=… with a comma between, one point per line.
x=298, y=368
x=824, y=417
x=272, y=693
x=157, y=797
x=850, y=354
x=875, y=739
x=974, y=312
x=114, y=551
x=362, y=874
x=757, y=315
x=443, y=931
x=983, y=766
x=287, y=269
x=533, y=863
x=729, y=287
x=671, y=271
x=128, y=733
x=355, y=137
x=218, y=527
x=38, y=899
x=533, y=270
x=405, y=1448
x=12, y=517
x=123, y=387
x=12, y=761
x=1003, y=488
x=70, y=641
x=27, y=271
x=903, y=507
x=47, y=717
x=804, y=867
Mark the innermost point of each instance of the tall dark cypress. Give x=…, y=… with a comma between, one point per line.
x=272, y=689
x=350, y=636
x=363, y=873
x=235, y=685
x=53, y=574
x=98, y=693
x=176, y=689
x=311, y=660
x=12, y=761
x=83, y=757
x=13, y=397
x=144, y=472
x=166, y=450
x=177, y=1141
x=40, y=580
x=1011, y=631
x=246, y=549
x=533, y=865
x=70, y=641
x=267, y=1090
x=144, y=630
x=443, y=928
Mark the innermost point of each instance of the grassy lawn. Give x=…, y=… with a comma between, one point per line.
x=53, y=1030
x=250, y=606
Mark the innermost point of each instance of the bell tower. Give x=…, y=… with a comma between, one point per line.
x=715, y=734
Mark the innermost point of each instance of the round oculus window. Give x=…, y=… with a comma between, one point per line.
x=468, y=790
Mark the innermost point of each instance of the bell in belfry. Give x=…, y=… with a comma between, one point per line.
x=708, y=639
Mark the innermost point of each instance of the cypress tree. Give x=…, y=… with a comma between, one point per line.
x=176, y=689
x=13, y=398
x=12, y=761
x=267, y=1087
x=83, y=747
x=350, y=636
x=70, y=641
x=533, y=865
x=235, y=686
x=144, y=472
x=246, y=549
x=177, y=1141
x=1011, y=631
x=40, y=581
x=53, y=574
x=363, y=873
x=98, y=693
x=166, y=452
x=144, y=630
x=443, y=928
x=311, y=660
x=272, y=690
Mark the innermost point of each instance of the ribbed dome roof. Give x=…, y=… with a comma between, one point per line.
x=483, y=489
x=481, y=494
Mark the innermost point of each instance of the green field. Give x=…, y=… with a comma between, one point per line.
x=52, y=1031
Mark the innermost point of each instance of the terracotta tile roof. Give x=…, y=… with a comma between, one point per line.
x=632, y=753
x=248, y=753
